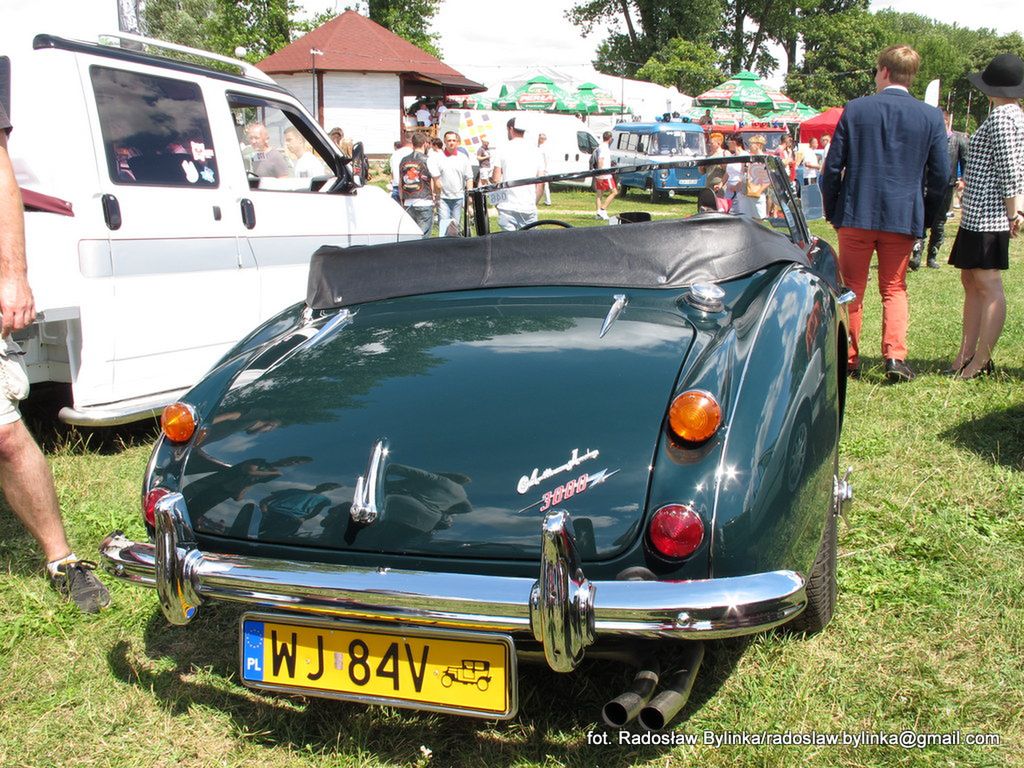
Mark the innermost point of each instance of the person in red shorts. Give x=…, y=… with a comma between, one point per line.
x=605, y=188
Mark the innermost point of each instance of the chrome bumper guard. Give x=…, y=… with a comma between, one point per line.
x=562, y=610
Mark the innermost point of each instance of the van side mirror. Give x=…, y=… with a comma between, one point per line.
x=360, y=165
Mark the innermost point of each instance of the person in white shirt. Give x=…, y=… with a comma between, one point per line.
x=403, y=149
x=423, y=115
x=545, y=159
x=305, y=165
x=811, y=160
x=518, y=160
x=605, y=188
x=456, y=179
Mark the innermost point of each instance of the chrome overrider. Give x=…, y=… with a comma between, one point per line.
x=562, y=609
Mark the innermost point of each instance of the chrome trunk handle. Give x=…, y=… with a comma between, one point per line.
x=364, y=501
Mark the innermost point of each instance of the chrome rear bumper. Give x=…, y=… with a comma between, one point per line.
x=562, y=609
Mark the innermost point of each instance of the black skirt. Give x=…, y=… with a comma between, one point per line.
x=980, y=250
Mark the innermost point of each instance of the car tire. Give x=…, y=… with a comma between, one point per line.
x=656, y=196
x=821, y=586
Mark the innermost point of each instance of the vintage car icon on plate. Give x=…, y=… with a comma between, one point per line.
x=527, y=446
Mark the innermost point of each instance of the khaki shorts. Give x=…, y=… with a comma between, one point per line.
x=13, y=380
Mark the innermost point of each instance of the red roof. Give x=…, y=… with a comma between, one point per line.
x=353, y=43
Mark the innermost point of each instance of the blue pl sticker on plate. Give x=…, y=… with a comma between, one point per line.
x=252, y=650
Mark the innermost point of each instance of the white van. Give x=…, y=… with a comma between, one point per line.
x=186, y=222
x=569, y=145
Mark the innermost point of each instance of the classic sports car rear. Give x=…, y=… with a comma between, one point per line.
x=460, y=453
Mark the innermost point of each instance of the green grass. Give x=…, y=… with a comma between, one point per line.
x=928, y=634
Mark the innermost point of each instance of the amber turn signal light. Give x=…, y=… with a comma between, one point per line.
x=178, y=422
x=694, y=416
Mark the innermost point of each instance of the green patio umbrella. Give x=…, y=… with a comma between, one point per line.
x=591, y=100
x=795, y=114
x=539, y=93
x=721, y=115
x=744, y=91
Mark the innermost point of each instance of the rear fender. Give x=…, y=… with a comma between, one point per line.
x=688, y=474
x=775, y=480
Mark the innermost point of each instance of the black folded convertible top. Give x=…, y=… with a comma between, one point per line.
x=667, y=254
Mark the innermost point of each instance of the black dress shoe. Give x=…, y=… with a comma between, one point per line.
x=915, y=262
x=897, y=371
x=933, y=264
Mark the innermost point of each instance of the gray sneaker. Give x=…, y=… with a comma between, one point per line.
x=76, y=582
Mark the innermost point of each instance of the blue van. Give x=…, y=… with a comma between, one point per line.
x=639, y=143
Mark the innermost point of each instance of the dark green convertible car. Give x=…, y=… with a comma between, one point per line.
x=462, y=453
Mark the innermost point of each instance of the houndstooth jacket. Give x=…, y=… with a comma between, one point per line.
x=995, y=170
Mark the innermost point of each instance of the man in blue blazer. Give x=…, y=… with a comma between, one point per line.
x=884, y=178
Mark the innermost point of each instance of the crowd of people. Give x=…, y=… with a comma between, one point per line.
x=430, y=178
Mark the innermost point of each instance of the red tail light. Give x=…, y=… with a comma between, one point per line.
x=676, y=531
x=149, y=504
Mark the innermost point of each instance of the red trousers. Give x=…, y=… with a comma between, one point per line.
x=855, y=249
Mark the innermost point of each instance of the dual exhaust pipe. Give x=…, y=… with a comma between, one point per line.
x=655, y=713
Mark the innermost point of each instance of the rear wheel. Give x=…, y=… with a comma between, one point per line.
x=821, y=586
x=656, y=195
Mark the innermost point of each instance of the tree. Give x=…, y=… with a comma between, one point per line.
x=260, y=26
x=179, y=21
x=409, y=19
x=690, y=67
x=839, y=59
x=649, y=24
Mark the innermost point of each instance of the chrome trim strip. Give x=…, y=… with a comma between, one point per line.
x=511, y=670
x=711, y=608
x=613, y=313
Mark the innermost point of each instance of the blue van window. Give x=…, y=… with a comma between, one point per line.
x=633, y=139
x=686, y=143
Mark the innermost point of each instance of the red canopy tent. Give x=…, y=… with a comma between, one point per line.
x=819, y=125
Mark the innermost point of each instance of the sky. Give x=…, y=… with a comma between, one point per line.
x=522, y=33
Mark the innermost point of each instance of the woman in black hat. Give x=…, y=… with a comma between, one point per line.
x=992, y=212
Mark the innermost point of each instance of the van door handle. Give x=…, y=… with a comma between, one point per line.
x=248, y=213
x=111, y=211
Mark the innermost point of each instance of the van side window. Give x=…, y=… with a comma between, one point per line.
x=633, y=140
x=641, y=144
x=620, y=140
x=280, y=151
x=585, y=142
x=155, y=130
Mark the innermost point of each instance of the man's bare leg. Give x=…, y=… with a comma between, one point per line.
x=28, y=486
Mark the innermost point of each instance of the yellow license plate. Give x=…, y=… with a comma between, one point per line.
x=470, y=673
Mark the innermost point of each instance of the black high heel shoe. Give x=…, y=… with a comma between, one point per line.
x=954, y=371
x=986, y=370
